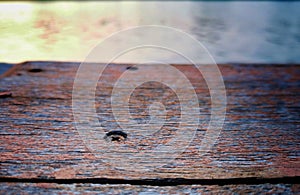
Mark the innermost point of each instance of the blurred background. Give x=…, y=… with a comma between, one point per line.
x=232, y=31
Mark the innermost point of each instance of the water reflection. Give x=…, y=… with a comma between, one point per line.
x=232, y=31
x=249, y=31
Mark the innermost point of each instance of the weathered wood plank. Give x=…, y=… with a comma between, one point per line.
x=87, y=188
x=260, y=136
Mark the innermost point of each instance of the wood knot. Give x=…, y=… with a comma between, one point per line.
x=34, y=70
x=115, y=136
x=131, y=68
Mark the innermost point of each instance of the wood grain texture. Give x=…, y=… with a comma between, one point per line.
x=83, y=188
x=260, y=137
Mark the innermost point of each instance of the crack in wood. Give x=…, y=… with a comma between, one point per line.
x=160, y=181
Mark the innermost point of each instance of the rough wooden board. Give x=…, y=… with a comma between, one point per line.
x=86, y=188
x=260, y=137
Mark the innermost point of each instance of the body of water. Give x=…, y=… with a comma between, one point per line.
x=247, y=32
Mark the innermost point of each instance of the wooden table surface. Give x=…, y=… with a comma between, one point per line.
x=257, y=150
